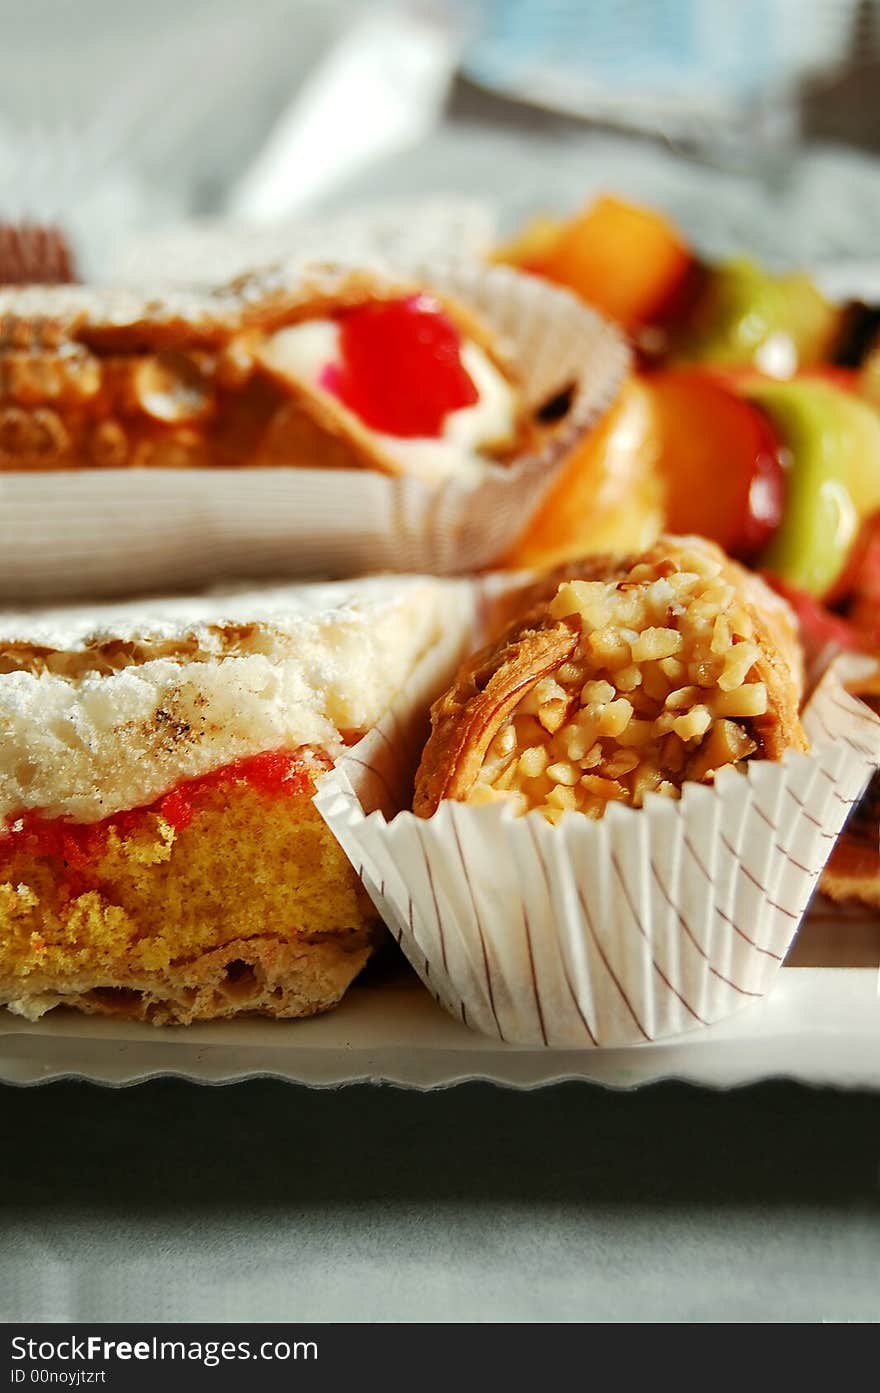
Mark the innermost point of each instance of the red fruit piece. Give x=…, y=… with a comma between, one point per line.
x=401, y=369
x=720, y=460
x=820, y=627
x=859, y=586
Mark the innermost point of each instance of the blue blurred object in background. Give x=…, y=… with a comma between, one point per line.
x=116, y=117
x=707, y=71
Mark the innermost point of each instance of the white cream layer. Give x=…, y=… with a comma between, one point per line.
x=322, y=659
x=305, y=350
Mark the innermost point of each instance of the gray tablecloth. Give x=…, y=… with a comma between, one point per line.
x=264, y=1201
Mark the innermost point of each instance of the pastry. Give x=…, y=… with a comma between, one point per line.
x=35, y=254
x=160, y=856
x=325, y=367
x=853, y=869
x=624, y=677
x=669, y=685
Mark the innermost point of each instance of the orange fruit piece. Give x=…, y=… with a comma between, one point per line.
x=608, y=496
x=533, y=246
x=719, y=458
x=623, y=260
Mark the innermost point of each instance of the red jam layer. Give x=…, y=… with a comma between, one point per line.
x=401, y=370
x=275, y=774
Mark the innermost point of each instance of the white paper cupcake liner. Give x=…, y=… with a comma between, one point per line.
x=117, y=531
x=644, y=925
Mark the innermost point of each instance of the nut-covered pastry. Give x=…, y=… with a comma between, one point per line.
x=626, y=677
x=160, y=855
x=324, y=367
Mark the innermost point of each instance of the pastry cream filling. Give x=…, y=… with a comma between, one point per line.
x=111, y=720
x=305, y=350
x=660, y=689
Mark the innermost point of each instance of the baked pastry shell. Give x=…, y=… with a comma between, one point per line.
x=642, y=926
x=117, y=531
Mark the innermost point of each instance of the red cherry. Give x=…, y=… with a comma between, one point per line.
x=401, y=369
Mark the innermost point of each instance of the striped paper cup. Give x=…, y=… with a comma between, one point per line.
x=117, y=531
x=646, y=924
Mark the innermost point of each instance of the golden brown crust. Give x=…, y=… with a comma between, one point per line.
x=93, y=378
x=852, y=875
x=116, y=320
x=489, y=686
x=254, y=975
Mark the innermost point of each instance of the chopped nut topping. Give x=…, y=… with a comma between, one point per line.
x=170, y=387
x=564, y=773
x=663, y=673
x=656, y=643
x=534, y=760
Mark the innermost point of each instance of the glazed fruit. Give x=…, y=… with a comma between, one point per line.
x=401, y=369
x=533, y=247
x=745, y=314
x=834, y=479
x=741, y=377
x=624, y=260
x=719, y=460
x=608, y=498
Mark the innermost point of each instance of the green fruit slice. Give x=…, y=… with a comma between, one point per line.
x=745, y=311
x=833, y=480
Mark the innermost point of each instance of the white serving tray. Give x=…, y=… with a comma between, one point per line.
x=820, y=1025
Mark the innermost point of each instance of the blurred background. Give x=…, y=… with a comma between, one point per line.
x=756, y=125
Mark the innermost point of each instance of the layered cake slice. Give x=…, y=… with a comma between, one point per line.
x=160, y=856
